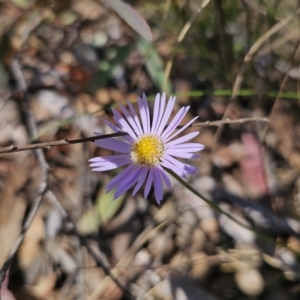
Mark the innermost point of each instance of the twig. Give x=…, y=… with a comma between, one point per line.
x=84, y=242
x=180, y=38
x=285, y=78
x=248, y=23
x=229, y=121
x=48, y=145
x=262, y=218
x=215, y=206
x=247, y=59
x=224, y=48
x=42, y=189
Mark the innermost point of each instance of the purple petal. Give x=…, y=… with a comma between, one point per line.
x=143, y=113
x=118, y=179
x=185, y=167
x=183, y=139
x=130, y=119
x=123, y=124
x=166, y=115
x=169, y=165
x=135, y=117
x=182, y=154
x=112, y=158
x=188, y=147
x=176, y=162
x=112, y=126
x=155, y=112
x=175, y=122
x=128, y=182
x=111, y=165
x=181, y=129
x=147, y=113
x=158, y=187
x=159, y=107
x=114, y=145
x=141, y=180
x=148, y=183
x=191, y=169
x=117, y=129
x=109, y=162
x=164, y=176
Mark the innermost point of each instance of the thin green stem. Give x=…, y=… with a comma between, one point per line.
x=228, y=215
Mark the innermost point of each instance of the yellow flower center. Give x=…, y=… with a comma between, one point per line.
x=148, y=150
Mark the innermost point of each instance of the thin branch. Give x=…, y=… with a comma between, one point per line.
x=229, y=121
x=262, y=218
x=216, y=207
x=48, y=145
x=285, y=78
x=64, y=142
x=247, y=59
x=42, y=188
x=266, y=223
x=180, y=38
x=83, y=241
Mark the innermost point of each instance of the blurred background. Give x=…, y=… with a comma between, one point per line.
x=64, y=64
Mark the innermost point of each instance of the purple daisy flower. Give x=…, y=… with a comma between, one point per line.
x=148, y=149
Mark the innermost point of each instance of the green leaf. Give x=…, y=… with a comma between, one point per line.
x=22, y=3
x=154, y=65
x=89, y=222
x=115, y=57
x=131, y=17
x=104, y=209
x=106, y=206
x=67, y=17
